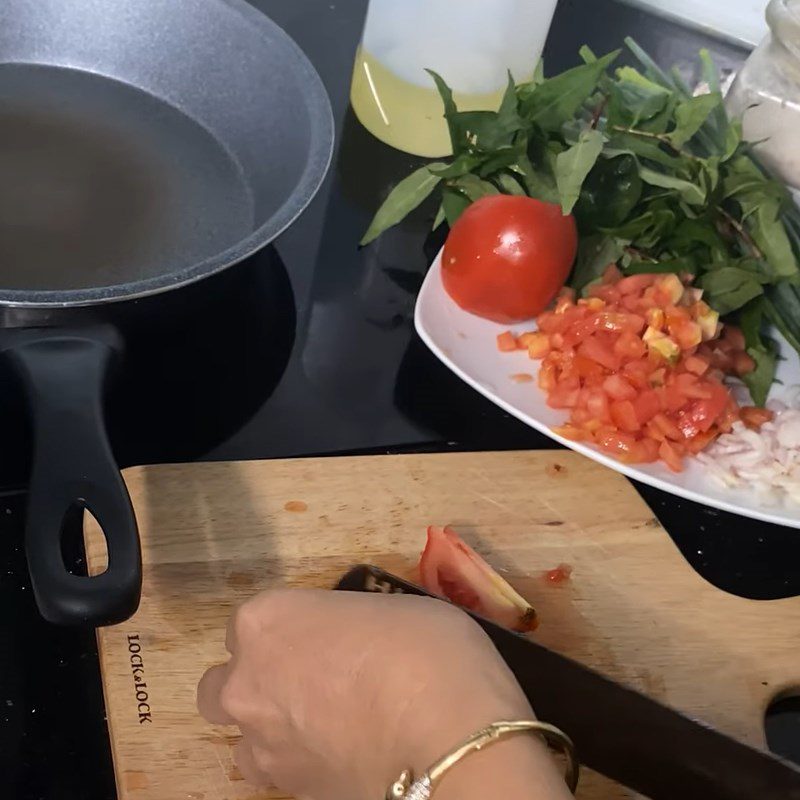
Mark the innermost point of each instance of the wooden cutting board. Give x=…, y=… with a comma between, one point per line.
x=214, y=534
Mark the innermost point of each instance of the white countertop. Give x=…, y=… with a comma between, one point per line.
x=739, y=20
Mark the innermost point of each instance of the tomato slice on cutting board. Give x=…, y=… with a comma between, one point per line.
x=450, y=568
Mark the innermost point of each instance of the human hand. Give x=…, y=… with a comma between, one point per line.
x=337, y=692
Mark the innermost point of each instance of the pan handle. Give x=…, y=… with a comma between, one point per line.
x=64, y=373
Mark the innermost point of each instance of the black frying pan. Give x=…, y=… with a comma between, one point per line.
x=143, y=146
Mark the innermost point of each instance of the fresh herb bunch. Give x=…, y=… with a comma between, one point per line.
x=659, y=180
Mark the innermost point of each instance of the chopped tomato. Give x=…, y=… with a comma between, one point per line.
x=635, y=284
x=598, y=406
x=721, y=360
x=616, y=442
x=537, y=344
x=670, y=456
x=699, y=442
x=670, y=430
x=702, y=412
x=696, y=365
x=629, y=345
x=539, y=348
x=506, y=342
x=451, y=569
x=618, y=388
x=624, y=416
x=638, y=373
x=655, y=318
x=647, y=405
x=734, y=337
x=699, y=417
x=638, y=365
x=616, y=322
x=690, y=385
x=728, y=417
x=673, y=396
x=687, y=334
x=657, y=377
x=598, y=351
x=743, y=364
x=649, y=450
x=547, y=377
x=567, y=293
x=586, y=367
x=727, y=353
x=572, y=432
x=754, y=418
x=563, y=396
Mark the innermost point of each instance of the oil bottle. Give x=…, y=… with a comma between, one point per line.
x=472, y=44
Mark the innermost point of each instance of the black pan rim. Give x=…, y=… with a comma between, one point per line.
x=322, y=128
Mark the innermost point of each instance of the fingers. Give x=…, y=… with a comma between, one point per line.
x=209, y=694
x=246, y=763
x=249, y=619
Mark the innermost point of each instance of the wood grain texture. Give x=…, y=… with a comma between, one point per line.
x=214, y=534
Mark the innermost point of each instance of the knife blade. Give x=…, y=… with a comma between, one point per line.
x=619, y=732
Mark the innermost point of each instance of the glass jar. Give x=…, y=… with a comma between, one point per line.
x=766, y=93
x=471, y=44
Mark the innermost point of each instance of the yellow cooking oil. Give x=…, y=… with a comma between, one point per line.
x=405, y=115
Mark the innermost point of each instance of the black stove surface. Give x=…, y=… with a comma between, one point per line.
x=306, y=348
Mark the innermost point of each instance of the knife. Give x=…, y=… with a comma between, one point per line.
x=618, y=732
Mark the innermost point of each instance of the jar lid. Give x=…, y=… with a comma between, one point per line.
x=783, y=17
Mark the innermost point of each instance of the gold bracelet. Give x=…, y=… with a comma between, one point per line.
x=406, y=787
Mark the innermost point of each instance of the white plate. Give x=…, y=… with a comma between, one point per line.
x=468, y=345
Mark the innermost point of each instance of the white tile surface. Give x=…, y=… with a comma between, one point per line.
x=740, y=20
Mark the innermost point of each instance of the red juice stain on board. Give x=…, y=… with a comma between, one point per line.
x=556, y=470
x=561, y=574
x=295, y=506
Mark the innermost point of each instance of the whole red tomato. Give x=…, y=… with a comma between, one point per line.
x=507, y=257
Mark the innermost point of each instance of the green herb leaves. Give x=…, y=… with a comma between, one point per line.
x=691, y=115
x=729, y=288
x=554, y=101
x=609, y=194
x=658, y=180
x=595, y=253
x=761, y=349
x=686, y=190
x=634, y=99
x=405, y=197
x=480, y=131
x=515, y=150
x=574, y=165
